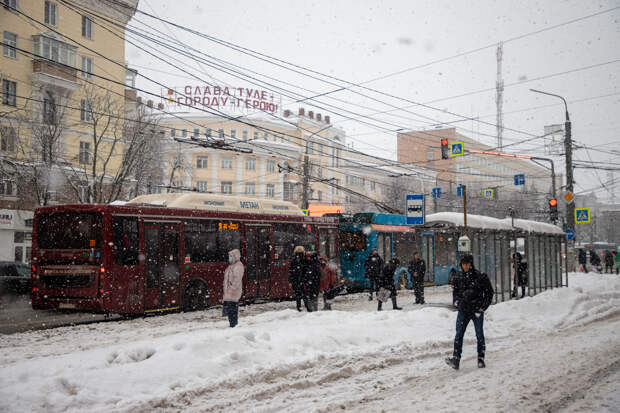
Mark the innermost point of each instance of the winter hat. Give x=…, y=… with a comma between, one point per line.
x=298, y=249
x=467, y=259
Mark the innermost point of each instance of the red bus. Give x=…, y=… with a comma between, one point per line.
x=164, y=252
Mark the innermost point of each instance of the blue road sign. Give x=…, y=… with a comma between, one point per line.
x=459, y=190
x=570, y=234
x=456, y=149
x=582, y=215
x=520, y=179
x=414, y=204
x=437, y=192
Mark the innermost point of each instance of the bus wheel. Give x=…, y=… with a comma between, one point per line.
x=196, y=296
x=451, y=277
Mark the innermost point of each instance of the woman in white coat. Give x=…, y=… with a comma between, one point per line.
x=233, y=277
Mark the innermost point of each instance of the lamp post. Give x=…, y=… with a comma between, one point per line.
x=568, y=149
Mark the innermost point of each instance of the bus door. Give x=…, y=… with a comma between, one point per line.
x=428, y=255
x=258, y=261
x=161, y=250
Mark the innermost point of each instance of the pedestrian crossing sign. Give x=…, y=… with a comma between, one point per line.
x=305, y=212
x=456, y=149
x=489, y=193
x=582, y=215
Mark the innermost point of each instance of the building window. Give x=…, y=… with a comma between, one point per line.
x=319, y=148
x=430, y=154
x=310, y=148
x=173, y=132
x=201, y=186
x=49, y=108
x=51, y=13
x=10, y=4
x=320, y=195
x=130, y=78
x=271, y=165
x=288, y=191
x=250, y=188
x=9, y=93
x=245, y=134
x=227, y=162
x=87, y=67
x=255, y=135
x=202, y=162
x=86, y=111
x=208, y=132
x=233, y=133
x=7, y=188
x=220, y=133
x=227, y=187
x=266, y=136
x=10, y=43
x=270, y=191
x=373, y=186
x=84, y=152
x=250, y=164
x=196, y=132
x=55, y=50
x=87, y=27
x=7, y=139
x=184, y=133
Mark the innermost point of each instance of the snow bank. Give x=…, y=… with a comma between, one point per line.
x=119, y=366
x=481, y=221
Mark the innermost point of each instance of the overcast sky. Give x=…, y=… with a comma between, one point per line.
x=357, y=41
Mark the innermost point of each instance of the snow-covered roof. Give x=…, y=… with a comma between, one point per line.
x=481, y=221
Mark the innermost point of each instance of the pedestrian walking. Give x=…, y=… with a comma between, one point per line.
x=520, y=269
x=385, y=283
x=417, y=269
x=233, y=279
x=595, y=261
x=609, y=262
x=330, y=284
x=297, y=273
x=312, y=282
x=583, y=260
x=373, y=267
x=472, y=294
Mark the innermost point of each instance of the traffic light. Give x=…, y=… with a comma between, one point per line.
x=445, y=154
x=553, y=209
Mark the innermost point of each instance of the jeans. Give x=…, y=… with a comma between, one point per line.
x=462, y=319
x=231, y=309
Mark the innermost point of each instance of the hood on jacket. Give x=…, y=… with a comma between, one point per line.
x=236, y=255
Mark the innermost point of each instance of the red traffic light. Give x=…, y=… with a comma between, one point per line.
x=553, y=202
x=444, y=148
x=444, y=142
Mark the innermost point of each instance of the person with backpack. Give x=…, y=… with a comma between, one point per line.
x=417, y=270
x=373, y=267
x=472, y=294
x=386, y=283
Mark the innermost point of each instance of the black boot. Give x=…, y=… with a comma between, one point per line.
x=453, y=362
x=481, y=364
x=379, y=305
x=394, y=306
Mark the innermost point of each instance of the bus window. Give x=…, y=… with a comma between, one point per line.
x=210, y=240
x=405, y=245
x=69, y=230
x=126, y=240
x=352, y=241
x=287, y=236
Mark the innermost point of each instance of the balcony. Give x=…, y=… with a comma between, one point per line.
x=55, y=69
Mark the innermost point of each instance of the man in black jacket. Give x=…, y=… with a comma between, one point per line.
x=297, y=274
x=472, y=294
x=386, y=280
x=373, y=267
x=312, y=282
x=417, y=270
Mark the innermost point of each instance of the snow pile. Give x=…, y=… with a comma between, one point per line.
x=132, y=366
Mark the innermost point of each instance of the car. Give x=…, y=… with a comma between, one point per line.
x=14, y=277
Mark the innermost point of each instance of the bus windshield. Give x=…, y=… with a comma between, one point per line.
x=69, y=230
x=352, y=241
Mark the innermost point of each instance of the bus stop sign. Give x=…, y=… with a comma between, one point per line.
x=415, y=209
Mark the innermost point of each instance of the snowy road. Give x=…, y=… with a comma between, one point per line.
x=556, y=352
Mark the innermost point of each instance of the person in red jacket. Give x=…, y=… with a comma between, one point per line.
x=330, y=283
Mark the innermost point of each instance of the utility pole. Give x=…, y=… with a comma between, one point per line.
x=465, y=207
x=499, y=98
x=306, y=169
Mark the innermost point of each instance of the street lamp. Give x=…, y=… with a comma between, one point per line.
x=568, y=149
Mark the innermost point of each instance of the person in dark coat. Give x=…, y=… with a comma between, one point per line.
x=609, y=262
x=520, y=268
x=583, y=260
x=595, y=261
x=373, y=267
x=387, y=281
x=417, y=269
x=312, y=282
x=472, y=295
x=296, y=274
